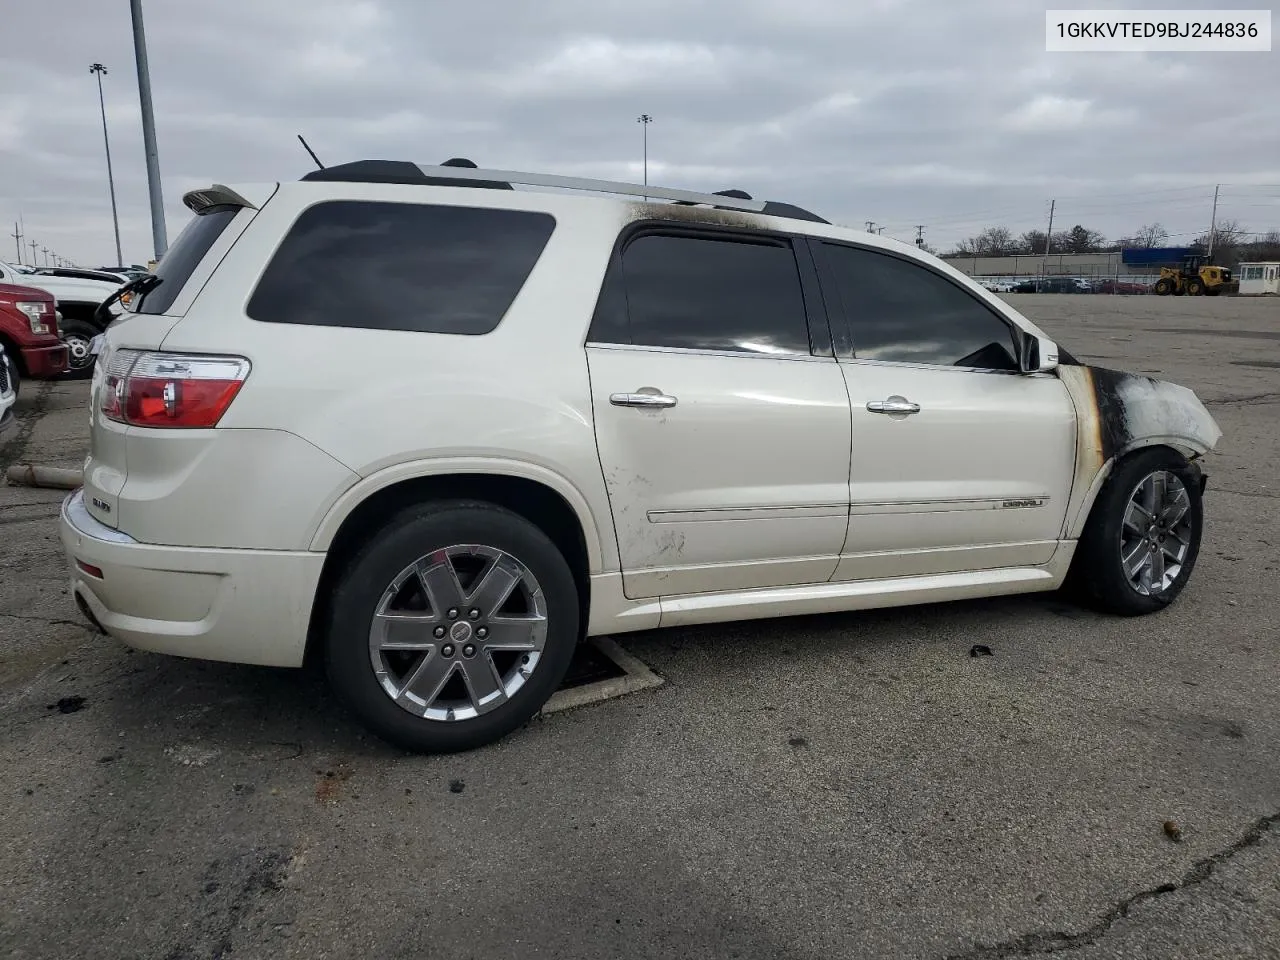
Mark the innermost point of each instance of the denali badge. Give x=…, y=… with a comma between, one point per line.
x=1022, y=503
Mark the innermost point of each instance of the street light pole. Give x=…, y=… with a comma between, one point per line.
x=158, y=235
x=99, y=69
x=644, y=120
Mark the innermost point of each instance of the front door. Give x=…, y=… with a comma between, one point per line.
x=723, y=439
x=959, y=461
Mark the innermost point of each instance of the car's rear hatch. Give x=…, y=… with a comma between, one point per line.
x=221, y=215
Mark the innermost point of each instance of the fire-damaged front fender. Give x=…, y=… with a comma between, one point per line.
x=1117, y=413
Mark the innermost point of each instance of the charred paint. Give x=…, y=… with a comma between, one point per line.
x=682, y=213
x=1117, y=412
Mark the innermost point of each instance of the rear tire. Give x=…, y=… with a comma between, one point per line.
x=1195, y=288
x=1164, y=287
x=1120, y=527
x=431, y=667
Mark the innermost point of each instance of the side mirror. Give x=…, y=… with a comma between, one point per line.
x=1038, y=355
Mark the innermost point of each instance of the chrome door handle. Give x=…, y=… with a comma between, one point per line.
x=895, y=404
x=644, y=397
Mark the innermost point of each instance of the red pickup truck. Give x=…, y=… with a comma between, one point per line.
x=29, y=331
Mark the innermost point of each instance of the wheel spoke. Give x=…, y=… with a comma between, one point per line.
x=516, y=633
x=1144, y=573
x=1135, y=559
x=440, y=581
x=404, y=631
x=483, y=682
x=1136, y=517
x=1157, y=570
x=495, y=585
x=426, y=680
x=1159, y=493
x=1176, y=509
x=1174, y=556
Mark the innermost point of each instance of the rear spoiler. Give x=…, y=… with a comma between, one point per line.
x=217, y=195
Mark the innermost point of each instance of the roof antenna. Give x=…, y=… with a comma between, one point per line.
x=310, y=151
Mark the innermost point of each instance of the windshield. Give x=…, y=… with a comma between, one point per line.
x=181, y=259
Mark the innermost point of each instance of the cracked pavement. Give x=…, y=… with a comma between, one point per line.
x=851, y=786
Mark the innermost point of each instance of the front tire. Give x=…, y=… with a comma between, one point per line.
x=1164, y=287
x=451, y=627
x=77, y=335
x=1143, y=536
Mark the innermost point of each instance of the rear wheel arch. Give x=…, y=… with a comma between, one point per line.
x=539, y=503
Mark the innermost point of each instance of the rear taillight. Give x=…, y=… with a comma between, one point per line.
x=170, y=389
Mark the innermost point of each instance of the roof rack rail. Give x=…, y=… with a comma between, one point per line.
x=460, y=172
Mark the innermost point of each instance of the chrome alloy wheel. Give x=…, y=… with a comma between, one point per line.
x=1155, y=537
x=457, y=633
x=79, y=353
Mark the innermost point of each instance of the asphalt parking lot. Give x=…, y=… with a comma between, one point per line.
x=838, y=786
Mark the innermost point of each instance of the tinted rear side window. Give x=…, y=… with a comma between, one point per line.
x=181, y=259
x=401, y=266
x=902, y=311
x=713, y=294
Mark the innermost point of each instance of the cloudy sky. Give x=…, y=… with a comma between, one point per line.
x=947, y=113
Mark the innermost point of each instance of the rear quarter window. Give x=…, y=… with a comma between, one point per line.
x=401, y=266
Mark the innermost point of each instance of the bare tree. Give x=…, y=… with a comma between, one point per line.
x=1150, y=235
x=991, y=242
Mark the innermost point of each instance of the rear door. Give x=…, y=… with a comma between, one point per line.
x=721, y=416
x=960, y=462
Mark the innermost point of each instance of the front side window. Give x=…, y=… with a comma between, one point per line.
x=904, y=312
x=401, y=266
x=714, y=294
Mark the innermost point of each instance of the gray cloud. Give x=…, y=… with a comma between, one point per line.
x=898, y=111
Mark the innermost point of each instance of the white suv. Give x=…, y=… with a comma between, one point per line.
x=437, y=424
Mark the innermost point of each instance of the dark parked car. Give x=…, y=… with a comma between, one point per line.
x=1053, y=285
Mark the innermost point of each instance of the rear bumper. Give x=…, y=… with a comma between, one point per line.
x=45, y=360
x=240, y=606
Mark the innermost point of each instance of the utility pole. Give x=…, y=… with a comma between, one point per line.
x=32, y=244
x=17, y=239
x=920, y=235
x=1048, y=240
x=45, y=251
x=158, y=235
x=871, y=226
x=1213, y=222
x=644, y=120
x=99, y=69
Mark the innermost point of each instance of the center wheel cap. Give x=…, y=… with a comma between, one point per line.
x=460, y=632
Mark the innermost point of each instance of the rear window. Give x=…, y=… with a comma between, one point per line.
x=181, y=259
x=401, y=266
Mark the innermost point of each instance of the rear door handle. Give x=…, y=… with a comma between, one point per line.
x=644, y=397
x=895, y=404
